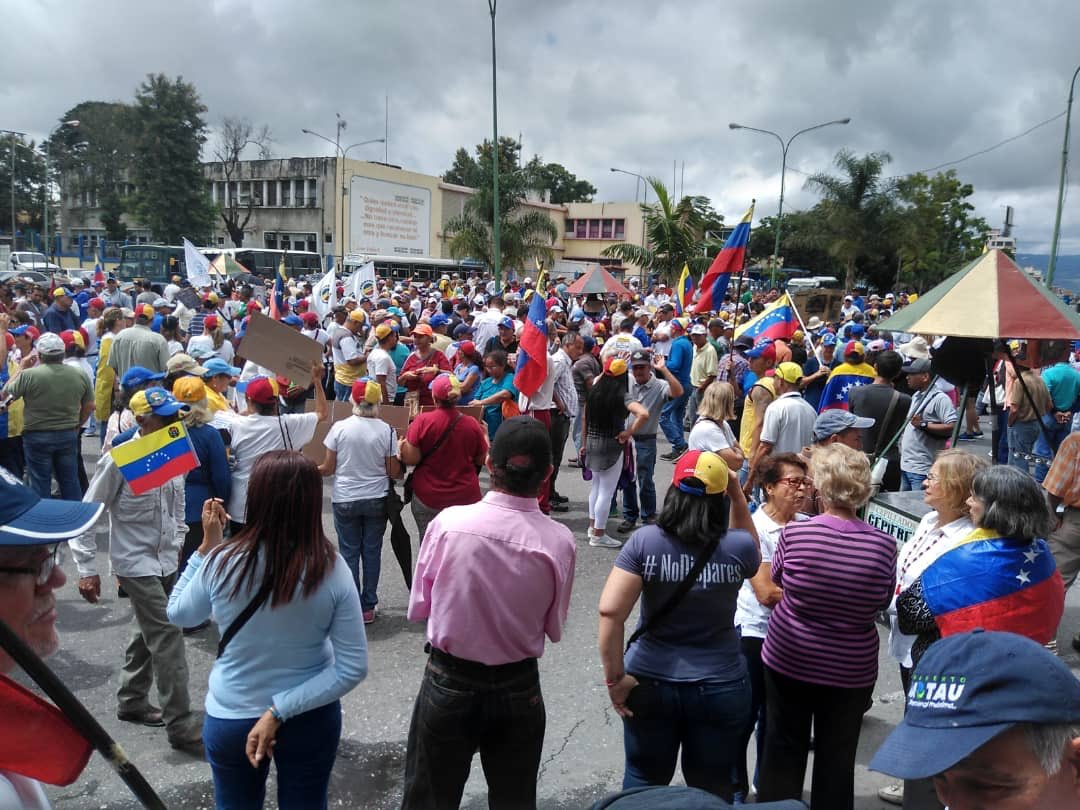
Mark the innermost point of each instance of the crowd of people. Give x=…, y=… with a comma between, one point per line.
x=760, y=584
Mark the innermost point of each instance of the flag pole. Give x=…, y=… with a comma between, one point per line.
x=807, y=342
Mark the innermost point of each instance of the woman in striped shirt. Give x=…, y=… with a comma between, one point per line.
x=821, y=651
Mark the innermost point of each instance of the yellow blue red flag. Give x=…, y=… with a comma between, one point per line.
x=729, y=260
x=684, y=291
x=151, y=460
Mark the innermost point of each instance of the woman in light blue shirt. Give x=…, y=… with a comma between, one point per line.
x=276, y=686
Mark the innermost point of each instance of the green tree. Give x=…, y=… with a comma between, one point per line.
x=469, y=171
x=29, y=184
x=855, y=210
x=556, y=183
x=800, y=243
x=674, y=235
x=938, y=233
x=524, y=234
x=170, y=191
x=464, y=171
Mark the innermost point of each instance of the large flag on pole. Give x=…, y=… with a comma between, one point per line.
x=363, y=281
x=729, y=260
x=684, y=291
x=99, y=267
x=277, y=295
x=778, y=321
x=532, y=360
x=324, y=296
x=197, y=266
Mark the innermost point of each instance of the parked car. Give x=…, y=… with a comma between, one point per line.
x=28, y=276
x=22, y=260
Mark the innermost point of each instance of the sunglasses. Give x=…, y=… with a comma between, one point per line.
x=42, y=569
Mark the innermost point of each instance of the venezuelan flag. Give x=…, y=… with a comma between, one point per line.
x=151, y=460
x=729, y=260
x=839, y=384
x=778, y=321
x=997, y=583
x=277, y=295
x=684, y=292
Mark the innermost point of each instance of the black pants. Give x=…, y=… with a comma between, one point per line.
x=11, y=456
x=919, y=794
x=560, y=430
x=836, y=714
x=192, y=540
x=464, y=707
x=755, y=671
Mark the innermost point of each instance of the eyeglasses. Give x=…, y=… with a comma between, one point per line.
x=42, y=570
x=796, y=482
x=933, y=476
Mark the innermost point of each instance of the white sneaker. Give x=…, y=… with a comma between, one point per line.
x=604, y=541
x=893, y=794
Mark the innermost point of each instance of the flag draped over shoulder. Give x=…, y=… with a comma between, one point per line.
x=778, y=321
x=150, y=461
x=684, y=291
x=839, y=384
x=729, y=260
x=277, y=295
x=532, y=359
x=998, y=583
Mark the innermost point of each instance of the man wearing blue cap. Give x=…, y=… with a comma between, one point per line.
x=31, y=530
x=59, y=316
x=146, y=533
x=994, y=719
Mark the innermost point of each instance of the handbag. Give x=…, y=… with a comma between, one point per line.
x=684, y=588
x=629, y=466
x=409, y=478
x=510, y=409
x=257, y=602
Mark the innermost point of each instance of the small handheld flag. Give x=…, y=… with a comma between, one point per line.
x=729, y=260
x=150, y=461
x=531, y=368
x=277, y=296
x=684, y=291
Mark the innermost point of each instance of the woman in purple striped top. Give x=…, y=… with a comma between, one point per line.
x=821, y=652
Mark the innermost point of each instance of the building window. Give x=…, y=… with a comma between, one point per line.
x=328, y=238
x=620, y=229
x=569, y=227
x=594, y=229
x=579, y=228
x=271, y=193
x=221, y=241
x=605, y=229
x=270, y=240
x=285, y=189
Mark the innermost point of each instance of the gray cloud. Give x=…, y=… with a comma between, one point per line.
x=623, y=83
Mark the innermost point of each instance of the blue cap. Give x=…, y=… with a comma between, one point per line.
x=292, y=320
x=968, y=689
x=215, y=365
x=577, y=314
x=29, y=520
x=856, y=330
x=463, y=329
x=833, y=420
x=19, y=330
x=760, y=348
x=437, y=320
x=828, y=339
x=159, y=401
x=137, y=375
x=506, y=322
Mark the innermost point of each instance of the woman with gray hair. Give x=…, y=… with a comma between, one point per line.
x=1000, y=577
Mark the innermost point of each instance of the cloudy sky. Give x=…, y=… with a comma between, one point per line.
x=603, y=83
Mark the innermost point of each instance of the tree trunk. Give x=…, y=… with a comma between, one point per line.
x=849, y=276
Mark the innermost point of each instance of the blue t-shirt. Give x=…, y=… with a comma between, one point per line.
x=462, y=372
x=642, y=336
x=493, y=413
x=1063, y=383
x=697, y=641
x=680, y=359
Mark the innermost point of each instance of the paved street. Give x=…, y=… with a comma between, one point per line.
x=583, y=746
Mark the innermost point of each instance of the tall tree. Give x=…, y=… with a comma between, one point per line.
x=674, y=235
x=855, y=208
x=469, y=171
x=938, y=233
x=29, y=184
x=237, y=135
x=556, y=183
x=525, y=234
x=801, y=245
x=171, y=196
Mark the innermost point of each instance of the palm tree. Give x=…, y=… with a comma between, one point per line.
x=674, y=235
x=854, y=207
x=525, y=234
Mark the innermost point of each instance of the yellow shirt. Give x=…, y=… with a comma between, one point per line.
x=215, y=401
x=105, y=380
x=746, y=427
x=15, y=408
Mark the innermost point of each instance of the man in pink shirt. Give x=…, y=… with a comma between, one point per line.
x=493, y=578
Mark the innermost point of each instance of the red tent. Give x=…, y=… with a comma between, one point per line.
x=597, y=280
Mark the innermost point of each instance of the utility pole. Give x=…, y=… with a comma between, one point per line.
x=1061, y=187
x=497, y=252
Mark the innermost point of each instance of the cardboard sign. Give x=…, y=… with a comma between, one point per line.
x=315, y=449
x=397, y=416
x=280, y=348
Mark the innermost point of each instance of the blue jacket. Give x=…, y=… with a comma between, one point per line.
x=211, y=478
x=59, y=320
x=680, y=358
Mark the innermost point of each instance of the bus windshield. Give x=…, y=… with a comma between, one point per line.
x=155, y=263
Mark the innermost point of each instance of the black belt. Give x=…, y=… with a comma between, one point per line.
x=644, y=435
x=467, y=667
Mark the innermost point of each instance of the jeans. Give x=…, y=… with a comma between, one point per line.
x=671, y=419
x=1001, y=431
x=464, y=707
x=1047, y=449
x=704, y=719
x=755, y=671
x=342, y=392
x=836, y=714
x=304, y=752
x=423, y=515
x=1022, y=436
x=53, y=453
x=576, y=432
x=360, y=526
x=645, y=447
x=156, y=653
x=12, y=457
x=911, y=481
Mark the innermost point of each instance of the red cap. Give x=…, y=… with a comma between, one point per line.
x=262, y=390
x=210, y=322
x=854, y=347
x=96, y=302
x=145, y=311
x=467, y=347
x=310, y=319
x=254, y=306
x=302, y=305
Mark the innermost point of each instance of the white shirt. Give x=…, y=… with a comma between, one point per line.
x=487, y=325
x=928, y=543
x=379, y=362
x=711, y=436
x=254, y=435
x=661, y=338
x=751, y=616
x=362, y=446
x=21, y=793
x=789, y=423
x=542, y=400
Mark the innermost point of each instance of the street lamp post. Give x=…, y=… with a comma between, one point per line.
x=341, y=153
x=496, y=235
x=783, y=171
x=74, y=122
x=1061, y=186
x=12, y=133
x=644, y=183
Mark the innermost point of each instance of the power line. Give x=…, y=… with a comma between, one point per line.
x=997, y=145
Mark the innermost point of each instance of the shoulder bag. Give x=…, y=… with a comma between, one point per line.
x=409, y=478
x=680, y=593
x=257, y=602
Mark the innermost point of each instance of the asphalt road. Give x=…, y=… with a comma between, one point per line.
x=582, y=757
